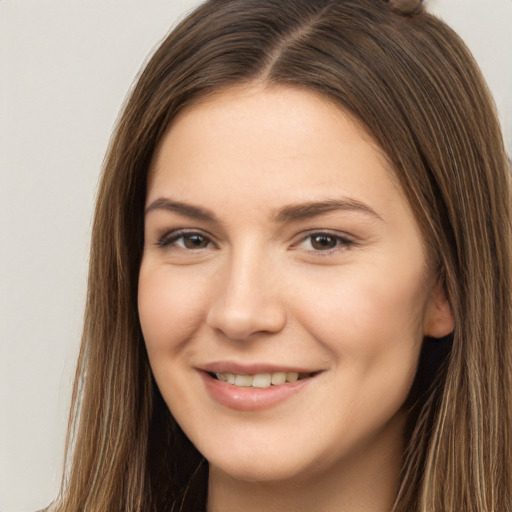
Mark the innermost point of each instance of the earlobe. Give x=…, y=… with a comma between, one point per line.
x=438, y=318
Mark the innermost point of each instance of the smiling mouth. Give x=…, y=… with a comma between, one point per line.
x=260, y=380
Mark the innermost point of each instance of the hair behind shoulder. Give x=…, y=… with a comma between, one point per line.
x=414, y=86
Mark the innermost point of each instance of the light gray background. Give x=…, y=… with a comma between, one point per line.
x=65, y=69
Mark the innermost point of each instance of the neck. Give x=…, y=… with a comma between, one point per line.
x=365, y=481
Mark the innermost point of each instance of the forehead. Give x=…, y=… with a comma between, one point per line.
x=263, y=139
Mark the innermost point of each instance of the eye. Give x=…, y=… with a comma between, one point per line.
x=325, y=242
x=187, y=240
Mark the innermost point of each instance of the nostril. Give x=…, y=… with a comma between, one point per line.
x=241, y=322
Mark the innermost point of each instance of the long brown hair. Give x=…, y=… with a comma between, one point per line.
x=413, y=84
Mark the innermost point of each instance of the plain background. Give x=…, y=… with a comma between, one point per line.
x=65, y=69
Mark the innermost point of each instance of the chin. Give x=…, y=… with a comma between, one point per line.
x=263, y=463
x=257, y=470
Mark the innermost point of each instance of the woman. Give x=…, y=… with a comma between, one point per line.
x=301, y=256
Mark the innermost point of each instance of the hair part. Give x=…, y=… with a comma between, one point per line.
x=412, y=83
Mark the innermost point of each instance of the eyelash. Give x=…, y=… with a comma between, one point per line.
x=341, y=242
x=172, y=237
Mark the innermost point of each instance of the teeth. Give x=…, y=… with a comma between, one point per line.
x=244, y=381
x=292, y=377
x=260, y=380
x=278, y=378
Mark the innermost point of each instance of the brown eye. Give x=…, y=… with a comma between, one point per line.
x=195, y=241
x=323, y=242
x=187, y=240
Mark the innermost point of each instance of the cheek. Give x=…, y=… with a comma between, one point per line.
x=169, y=311
x=365, y=313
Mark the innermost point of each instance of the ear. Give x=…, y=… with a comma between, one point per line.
x=438, y=320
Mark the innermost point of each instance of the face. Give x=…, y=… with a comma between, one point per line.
x=284, y=291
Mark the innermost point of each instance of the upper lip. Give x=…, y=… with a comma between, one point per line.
x=252, y=368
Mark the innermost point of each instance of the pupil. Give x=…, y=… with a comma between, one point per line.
x=322, y=242
x=195, y=242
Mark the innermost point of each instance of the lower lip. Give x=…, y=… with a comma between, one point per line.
x=249, y=398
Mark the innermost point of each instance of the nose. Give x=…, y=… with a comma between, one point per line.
x=248, y=299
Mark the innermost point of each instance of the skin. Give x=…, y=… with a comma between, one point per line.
x=345, y=292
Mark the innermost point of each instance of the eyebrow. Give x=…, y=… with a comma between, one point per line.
x=311, y=209
x=293, y=212
x=184, y=209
